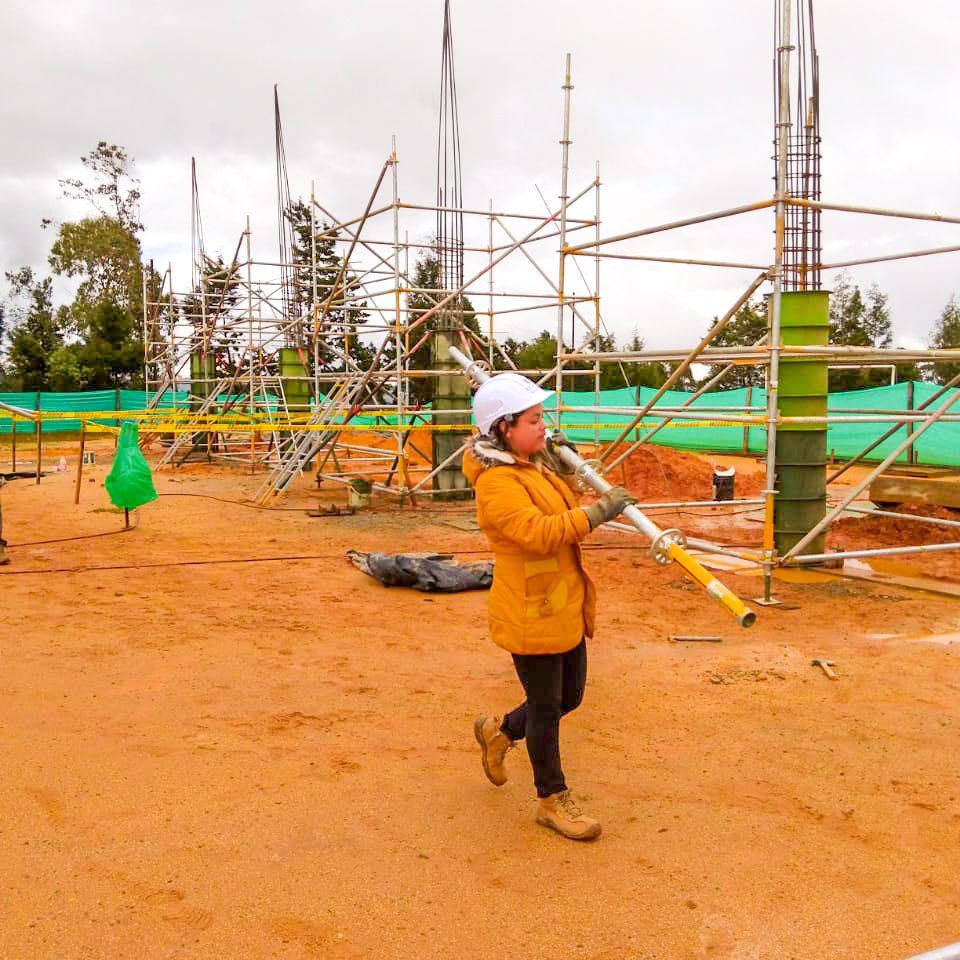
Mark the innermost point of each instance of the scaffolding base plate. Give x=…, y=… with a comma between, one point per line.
x=764, y=602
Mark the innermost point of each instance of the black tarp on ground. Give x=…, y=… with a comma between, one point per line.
x=429, y=572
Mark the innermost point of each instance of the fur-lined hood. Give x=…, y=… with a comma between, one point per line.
x=486, y=454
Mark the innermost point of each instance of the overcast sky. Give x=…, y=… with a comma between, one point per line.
x=673, y=99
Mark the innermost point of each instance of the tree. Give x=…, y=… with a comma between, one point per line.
x=857, y=322
x=107, y=256
x=511, y=348
x=211, y=308
x=629, y=373
x=104, y=253
x=424, y=295
x=743, y=330
x=110, y=196
x=112, y=356
x=539, y=353
x=946, y=335
x=37, y=330
x=339, y=312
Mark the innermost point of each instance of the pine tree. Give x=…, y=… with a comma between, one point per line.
x=743, y=330
x=946, y=335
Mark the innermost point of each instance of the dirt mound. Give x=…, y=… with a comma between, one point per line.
x=661, y=474
x=854, y=532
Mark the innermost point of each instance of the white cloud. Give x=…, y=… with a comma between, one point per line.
x=674, y=100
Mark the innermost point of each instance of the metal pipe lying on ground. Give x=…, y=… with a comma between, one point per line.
x=666, y=545
x=949, y=952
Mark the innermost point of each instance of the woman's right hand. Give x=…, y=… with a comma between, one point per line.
x=610, y=505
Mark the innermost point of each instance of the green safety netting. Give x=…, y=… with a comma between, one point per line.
x=939, y=445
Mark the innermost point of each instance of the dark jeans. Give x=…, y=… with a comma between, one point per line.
x=553, y=683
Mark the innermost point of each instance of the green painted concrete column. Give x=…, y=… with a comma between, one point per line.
x=297, y=387
x=202, y=373
x=451, y=392
x=801, y=449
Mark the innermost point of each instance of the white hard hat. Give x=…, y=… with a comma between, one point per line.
x=504, y=394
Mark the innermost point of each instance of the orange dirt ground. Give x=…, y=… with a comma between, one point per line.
x=220, y=739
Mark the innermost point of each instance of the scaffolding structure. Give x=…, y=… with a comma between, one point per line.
x=266, y=385
x=283, y=326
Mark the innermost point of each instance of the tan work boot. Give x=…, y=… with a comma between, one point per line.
x=561, y=813
x=494, y=746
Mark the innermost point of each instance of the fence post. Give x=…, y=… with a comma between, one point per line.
x=911, y=451
x=746, y=426
x=39, y=435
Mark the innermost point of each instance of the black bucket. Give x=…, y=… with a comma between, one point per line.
x=723, y=483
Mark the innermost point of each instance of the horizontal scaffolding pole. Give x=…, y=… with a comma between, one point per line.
x=805, y=558
x=683, y=261
x=872, y=211
x=661, y=228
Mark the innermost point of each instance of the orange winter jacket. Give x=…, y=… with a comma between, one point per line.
x=541, y=600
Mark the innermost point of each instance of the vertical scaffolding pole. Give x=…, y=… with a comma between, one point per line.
x=315, y=295
x=773, y=375
x=490, y=284
x=596, y=312
x=401, y=391
x=250, y=345
x=567, y=87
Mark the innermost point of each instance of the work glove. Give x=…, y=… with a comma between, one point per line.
x=610, y=505
x=555, y=441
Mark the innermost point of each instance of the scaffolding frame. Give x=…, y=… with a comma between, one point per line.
x=380, y=265
x=234, y=404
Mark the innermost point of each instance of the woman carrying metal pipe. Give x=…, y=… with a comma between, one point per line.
x=667, y=546
x=542, y=602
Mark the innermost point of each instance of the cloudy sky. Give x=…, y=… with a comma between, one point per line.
x=673, y=99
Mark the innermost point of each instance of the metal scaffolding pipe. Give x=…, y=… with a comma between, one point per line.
x=705, y=218
x=874, y=211
x=853, y=494
x=672, y=379
x=879, y=552
x=952, y=382
x=950, y=952
x=773, y=376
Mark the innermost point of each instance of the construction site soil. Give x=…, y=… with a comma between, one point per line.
x=221, y=739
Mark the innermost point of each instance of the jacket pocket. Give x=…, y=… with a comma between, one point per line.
x=546, y=591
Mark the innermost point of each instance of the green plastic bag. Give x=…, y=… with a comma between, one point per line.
x=129, y=483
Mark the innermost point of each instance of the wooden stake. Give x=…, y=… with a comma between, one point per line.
x=83, y=439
